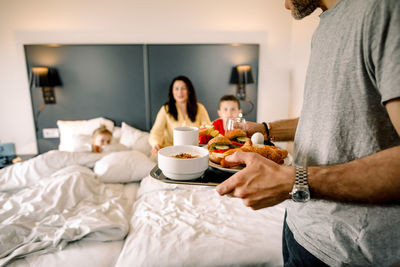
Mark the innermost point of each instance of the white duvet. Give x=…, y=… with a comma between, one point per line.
x=54, y=199
x=178, y=225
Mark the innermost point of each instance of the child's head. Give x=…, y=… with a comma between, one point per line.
x=100, y=137
x=229, y=107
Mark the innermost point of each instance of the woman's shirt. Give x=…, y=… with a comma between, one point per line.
x=162, y=131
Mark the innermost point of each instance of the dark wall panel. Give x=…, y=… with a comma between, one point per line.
x=111, y=80
x=98, y=80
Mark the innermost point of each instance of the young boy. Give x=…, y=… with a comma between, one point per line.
x=229, y=107
x=100, y=137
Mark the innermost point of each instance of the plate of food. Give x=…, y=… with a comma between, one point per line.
x=220, y=147
x=231, y=169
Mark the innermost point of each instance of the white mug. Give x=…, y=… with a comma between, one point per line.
x=186, y=135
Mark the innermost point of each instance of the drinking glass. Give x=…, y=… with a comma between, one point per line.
x=235, y=123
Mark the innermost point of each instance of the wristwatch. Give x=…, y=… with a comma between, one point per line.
x=300, y=191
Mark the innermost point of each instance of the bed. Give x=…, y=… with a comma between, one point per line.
x=71, y=207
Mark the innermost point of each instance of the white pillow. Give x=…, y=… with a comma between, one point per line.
x=70, y=129
x=116, y=134
x=135, y=139
x=123, y=167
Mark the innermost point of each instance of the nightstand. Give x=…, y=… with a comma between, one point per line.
x=8, y=160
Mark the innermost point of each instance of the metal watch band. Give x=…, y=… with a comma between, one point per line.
x=301, y=176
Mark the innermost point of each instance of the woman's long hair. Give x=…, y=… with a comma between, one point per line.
x=191, y=105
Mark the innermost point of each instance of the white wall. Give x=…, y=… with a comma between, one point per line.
x=148, y=21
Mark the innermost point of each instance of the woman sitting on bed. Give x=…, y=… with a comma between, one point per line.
x=100, y=138
x=182, y=109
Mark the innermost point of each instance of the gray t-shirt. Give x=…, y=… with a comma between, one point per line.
x=354, y=68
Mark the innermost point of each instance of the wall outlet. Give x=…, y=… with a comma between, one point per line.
x=51, y=133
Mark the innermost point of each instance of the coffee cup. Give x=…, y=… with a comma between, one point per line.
x=186, y=135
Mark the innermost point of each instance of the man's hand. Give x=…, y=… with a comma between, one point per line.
x=262, y=183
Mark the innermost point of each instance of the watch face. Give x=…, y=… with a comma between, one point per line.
x=301, y=196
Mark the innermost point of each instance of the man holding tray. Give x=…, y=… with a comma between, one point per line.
x=346, y=180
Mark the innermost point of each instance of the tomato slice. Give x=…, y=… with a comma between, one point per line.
x=237, y=143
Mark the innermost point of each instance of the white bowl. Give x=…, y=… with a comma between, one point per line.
x=183, y=169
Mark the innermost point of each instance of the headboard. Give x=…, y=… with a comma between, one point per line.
x=129, y=82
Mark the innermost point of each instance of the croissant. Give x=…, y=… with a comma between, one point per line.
x=270, y=152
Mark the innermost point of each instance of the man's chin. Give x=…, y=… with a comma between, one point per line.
x=298, y=16
x=301, y=9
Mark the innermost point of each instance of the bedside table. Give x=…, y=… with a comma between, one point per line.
x=8, y=160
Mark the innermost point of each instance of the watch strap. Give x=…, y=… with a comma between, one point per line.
x=301, y=176
x=266, y=129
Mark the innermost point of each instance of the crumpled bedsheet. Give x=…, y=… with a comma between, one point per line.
x=31, y=171
x=191, y=225
x=56, y=199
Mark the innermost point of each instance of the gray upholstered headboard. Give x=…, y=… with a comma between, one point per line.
x=129, y=82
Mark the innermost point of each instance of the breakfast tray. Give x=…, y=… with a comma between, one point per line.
x=211, y=177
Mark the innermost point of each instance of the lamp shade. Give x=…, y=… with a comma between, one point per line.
x=39, y=77
x=45, y=77
x=54, y=78
x=241, y=74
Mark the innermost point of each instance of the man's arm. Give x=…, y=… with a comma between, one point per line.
x=372, y=179
x=393, y=109
x=263, y=183
x=282, y=130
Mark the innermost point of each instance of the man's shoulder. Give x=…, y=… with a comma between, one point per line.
x=369, y=6
x=379, y=8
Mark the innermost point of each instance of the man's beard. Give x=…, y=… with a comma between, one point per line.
x=303, y=8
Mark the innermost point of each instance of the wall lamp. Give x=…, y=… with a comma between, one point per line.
x=47, y=79
x=242, y=75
